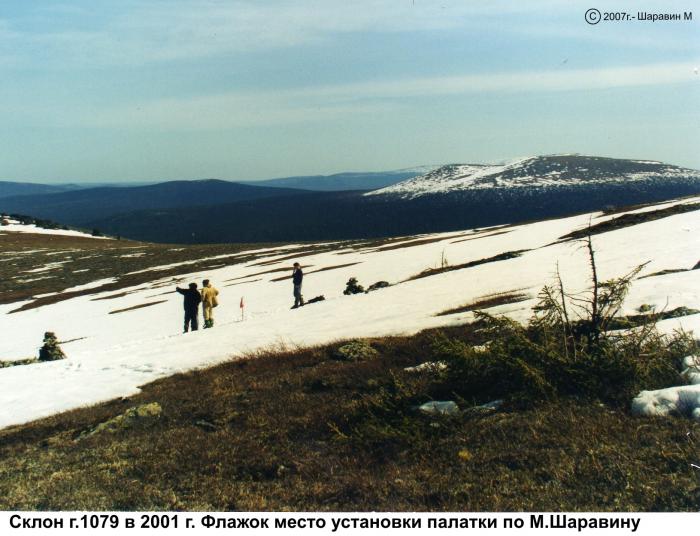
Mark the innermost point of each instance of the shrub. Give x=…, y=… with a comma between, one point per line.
x=523, y=366
x=378, y=285
x=355, y=351
x=566, y=349
x=387, y=420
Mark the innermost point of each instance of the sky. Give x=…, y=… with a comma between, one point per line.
x=145, y=90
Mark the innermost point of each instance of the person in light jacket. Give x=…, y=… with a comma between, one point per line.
x=209, y=301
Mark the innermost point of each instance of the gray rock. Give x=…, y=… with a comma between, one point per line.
x=144, y=413
x=440, y=407
x=428, y=366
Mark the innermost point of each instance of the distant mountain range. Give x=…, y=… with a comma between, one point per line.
x=370, y=180
x=9, y=188
x=451, y=197
x=346, y=181
x=81, y=207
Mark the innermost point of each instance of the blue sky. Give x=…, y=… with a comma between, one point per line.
x=157, y=90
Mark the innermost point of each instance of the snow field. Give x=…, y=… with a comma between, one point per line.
x=16, y=227
x=111, y=355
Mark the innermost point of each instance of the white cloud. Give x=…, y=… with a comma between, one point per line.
x=559, y=80
x=240, y=109
x=143, y=32
x=225, y=112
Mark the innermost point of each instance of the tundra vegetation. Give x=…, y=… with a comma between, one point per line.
x=543, y=424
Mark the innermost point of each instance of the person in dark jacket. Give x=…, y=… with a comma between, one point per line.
x=297, y=278
x=191, y=303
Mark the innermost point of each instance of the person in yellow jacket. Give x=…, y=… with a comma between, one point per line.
x=209, y=301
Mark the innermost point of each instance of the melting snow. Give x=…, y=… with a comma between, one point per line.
x=88, y=286
x=17, y=227
x=46, y=267
x=112, y=355
x=225, y=256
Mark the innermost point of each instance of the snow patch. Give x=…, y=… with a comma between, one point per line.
x=16, y=227
x=683, y=400
x=46, y=267
x=112, y=355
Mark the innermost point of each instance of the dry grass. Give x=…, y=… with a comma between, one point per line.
x=450, y=268
x=629, y=208
x=480, y=235
x=112, y=296
x=243, y=282
x=280, y=432
x=273, y=271
x=133, y=307
x=488, y=301
x=631, y=321
x=419, y=242
x=324, y=269
x=87, y=260
x=665, y=272
x=297, y=255
x=627, y=220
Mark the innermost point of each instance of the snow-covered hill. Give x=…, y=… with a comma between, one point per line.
x=538, y=172
x=11, y=225
x=120, y=339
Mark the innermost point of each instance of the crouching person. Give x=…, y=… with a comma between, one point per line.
x=209, y=301
x=191, y=302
